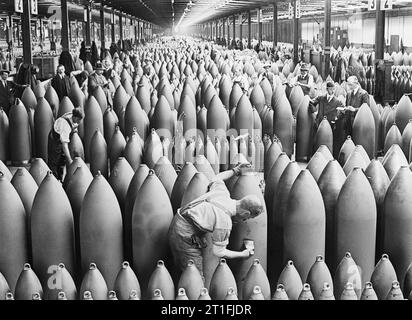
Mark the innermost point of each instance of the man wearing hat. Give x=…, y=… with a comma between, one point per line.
x=7, y=89
x=354, y=100
x=329, y=107
x=148, y=69
x=267, y=73
x=304, y=80
x=61, y=82
x=240, y=78
x=97, y=78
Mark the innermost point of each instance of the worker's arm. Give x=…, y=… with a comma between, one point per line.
x=303, y=84
x=223, y=252
x=311, y=80
x=67, y=152
x=75, y=72
x=225, y=175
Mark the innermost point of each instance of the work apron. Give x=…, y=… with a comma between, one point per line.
x=56, y=159
x=184, y=242
x=304, y=81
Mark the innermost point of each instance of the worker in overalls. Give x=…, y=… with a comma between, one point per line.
x=59, y=139
x=304, y=80
x=267, y=73
x=212, y=213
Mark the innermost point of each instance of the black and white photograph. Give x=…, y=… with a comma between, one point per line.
x=219, y=150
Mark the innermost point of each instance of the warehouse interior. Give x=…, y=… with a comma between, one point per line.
x=205, y=150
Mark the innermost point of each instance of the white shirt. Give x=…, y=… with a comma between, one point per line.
x=62, y=127
x=329, y=97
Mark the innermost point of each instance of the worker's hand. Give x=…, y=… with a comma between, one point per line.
x=237, y=169
x=70, y=160
x=248, y=253
x=350, y=108
x=243, y=165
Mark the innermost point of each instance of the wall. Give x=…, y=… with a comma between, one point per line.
x=361, y=30
x=360, y=26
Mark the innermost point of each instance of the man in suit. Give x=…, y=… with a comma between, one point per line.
x=329, y=107
x=97, y=78
x=354, y=100
x=61, y=82
x=7, y=90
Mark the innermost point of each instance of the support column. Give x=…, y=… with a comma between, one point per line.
x=77, y=32
x=259, y=18
x=41, y=32
x=295, y=34
x=211, y=30
x=240, y=28
x=380, y=31
x=112, y=21
x=326, y=45
x=224, y=30
x=383, y=69
x=217, y=30
x=234, y=27
x=136, y=30
x=275, y=24
x=65, y=26
x=26, y=32
x=102, y=26
x=249, y=36
x=228, y=31
x=121, y=29
x=88, y=26
x=9, y=35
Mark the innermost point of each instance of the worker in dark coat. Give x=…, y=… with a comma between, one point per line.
x=329, y=107
x=66, y=60
x=97, y=78
x=326, y=106
x=7, y=89
x=340, y=68
x=61, y=82
x=354, y=100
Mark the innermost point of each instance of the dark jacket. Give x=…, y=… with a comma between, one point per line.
x=7, y=95
x=67, y=60
x=62, y=86
x=325, y=108
x=358, y=99
x=82, y=54
x=26, y=75
x=355, y=101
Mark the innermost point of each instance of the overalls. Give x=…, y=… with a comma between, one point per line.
x=304, y=81
x=56, y=158
x=185, y=239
